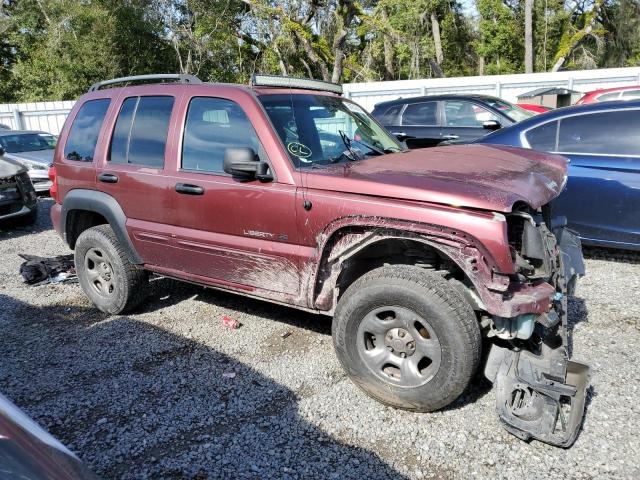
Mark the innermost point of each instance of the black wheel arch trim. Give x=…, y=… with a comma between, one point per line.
x=105, y=205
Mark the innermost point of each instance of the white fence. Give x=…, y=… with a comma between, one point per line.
x=50, y=116
x=45, y=116
x=507, y=87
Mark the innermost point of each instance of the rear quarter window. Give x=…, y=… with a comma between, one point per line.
x=609, y=96
x=543, y=137
x=389, y=116
x=84, y=132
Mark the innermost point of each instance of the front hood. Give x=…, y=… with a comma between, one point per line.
x=41, y=156
x=475, y=176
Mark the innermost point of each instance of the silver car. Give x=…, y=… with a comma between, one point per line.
x=34, y=150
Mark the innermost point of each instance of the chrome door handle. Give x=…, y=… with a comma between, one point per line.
x=108, y=178
x=451, y=137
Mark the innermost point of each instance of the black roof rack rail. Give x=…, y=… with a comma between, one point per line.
x=178, y=77
x=258, y=80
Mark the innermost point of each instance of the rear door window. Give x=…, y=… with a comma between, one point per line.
x=213, y=125
x=543, y=137
x=421, y=114
x=605, y=133
x=140, y=134
x=83, y=136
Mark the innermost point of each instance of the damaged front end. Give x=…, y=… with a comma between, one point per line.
x=540, y=393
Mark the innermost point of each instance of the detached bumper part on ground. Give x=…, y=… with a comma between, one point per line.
x=540, y=393
x=541, y=397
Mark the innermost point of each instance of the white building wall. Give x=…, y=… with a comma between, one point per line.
x=50, y=116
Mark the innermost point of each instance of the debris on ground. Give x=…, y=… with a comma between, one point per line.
x=41, y=270
x=285, y=335
x=229, y=375
x=230, y=323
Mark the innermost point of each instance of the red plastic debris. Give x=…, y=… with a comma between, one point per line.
x=229, y=322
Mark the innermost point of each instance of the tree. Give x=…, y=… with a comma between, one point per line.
x=501, y=36
x=586, y=28
x=528, y=36
x=60, y=47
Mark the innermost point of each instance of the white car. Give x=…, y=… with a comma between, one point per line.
x=34, y=150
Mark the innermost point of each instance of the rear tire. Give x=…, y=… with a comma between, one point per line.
x=407, y=338
x=106, y=276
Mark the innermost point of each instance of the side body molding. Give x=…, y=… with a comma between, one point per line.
x=105, y=205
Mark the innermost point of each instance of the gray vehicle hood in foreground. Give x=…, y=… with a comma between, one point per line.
x=10, y=168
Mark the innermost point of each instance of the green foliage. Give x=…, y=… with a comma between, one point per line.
x=501, y=37
x=55, y=49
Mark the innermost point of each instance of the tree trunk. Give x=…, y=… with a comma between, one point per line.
x=389, y=73
x=437, y=41
x=528, y=36
x=344, y=16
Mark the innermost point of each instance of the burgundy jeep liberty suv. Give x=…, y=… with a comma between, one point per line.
x=286, y=191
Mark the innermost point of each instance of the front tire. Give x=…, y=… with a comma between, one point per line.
x=106, y=276
x=407, y=338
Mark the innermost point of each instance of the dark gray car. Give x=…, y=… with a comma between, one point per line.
x=427, y=121
x=34, y=150
x=18, y=199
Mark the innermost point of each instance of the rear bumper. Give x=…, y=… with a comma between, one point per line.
x=56, y=215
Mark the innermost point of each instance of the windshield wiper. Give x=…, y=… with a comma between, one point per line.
x=347, y=143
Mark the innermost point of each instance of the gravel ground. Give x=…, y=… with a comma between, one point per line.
x=170, y=393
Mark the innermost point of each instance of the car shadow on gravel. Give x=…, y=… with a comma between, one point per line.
x=611, y=255
x=166, y=292
x=137, y=401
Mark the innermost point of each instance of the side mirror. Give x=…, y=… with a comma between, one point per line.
x=243, y=163
x=491, y=125
x=2, y=152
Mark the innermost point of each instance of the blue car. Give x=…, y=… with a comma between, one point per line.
x=602, y=140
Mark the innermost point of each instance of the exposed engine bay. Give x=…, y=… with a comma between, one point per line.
x=540, y=393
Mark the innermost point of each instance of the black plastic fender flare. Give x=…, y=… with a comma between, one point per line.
x=105, y=205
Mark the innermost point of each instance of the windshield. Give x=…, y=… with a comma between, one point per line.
x=512, y=111
x=28, y=142
x=322, y=129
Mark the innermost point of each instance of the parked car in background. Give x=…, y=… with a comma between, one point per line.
x=4, y=127
x=18, y=200
x=532, y=107
x=610, y=94
x=34, y=150
x=602, y=141
x=427, y=121
x=288, y=192
x=29, y=452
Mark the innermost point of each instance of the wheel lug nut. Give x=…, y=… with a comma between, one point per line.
x=403, y=355
x=401, y=333
x=410, y=345
x=390, y=348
